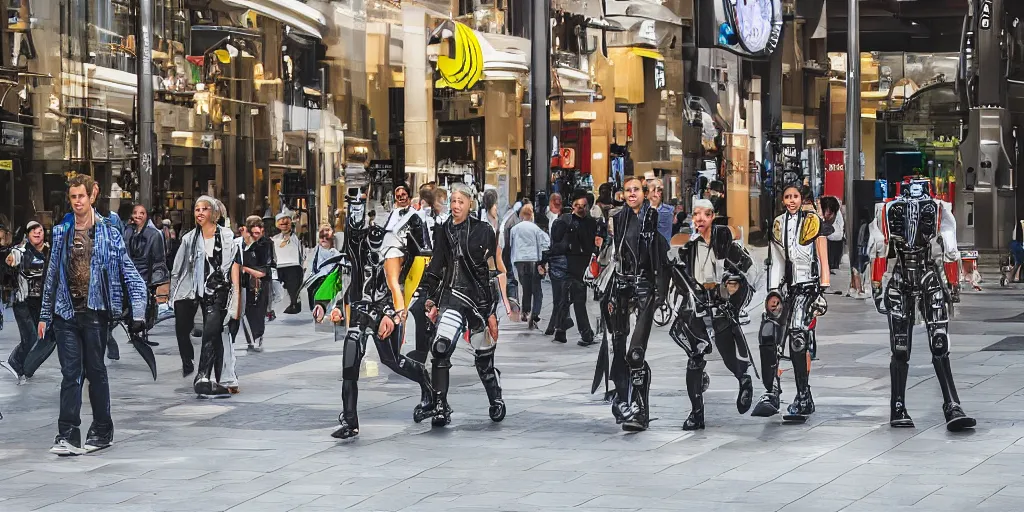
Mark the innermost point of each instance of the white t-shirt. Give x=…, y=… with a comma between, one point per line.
x=208, y=244
x=286, y=251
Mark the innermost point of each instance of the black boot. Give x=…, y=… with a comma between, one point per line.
x=767, y=405
x=640, y=384
x=746, y=394
x=490, y=377
x=439, y=377
x=695, y=389
x=956, y=419
x=425, y=408
x=800, y=408
x=898, y=416
x=349, y=418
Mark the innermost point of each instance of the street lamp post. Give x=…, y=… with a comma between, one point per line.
x=540, y=84
x=145, y=100
x=852, y=123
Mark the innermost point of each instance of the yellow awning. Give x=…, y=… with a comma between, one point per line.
x=647, y=54
x=792, y=126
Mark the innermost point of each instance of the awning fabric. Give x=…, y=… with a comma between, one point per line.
x=647, y=53
x=291, y=12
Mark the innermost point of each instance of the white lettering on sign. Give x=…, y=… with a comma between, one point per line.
x=986, y=15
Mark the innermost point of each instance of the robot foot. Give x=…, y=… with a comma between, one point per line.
x=345, y=431
x=745, y=396
x=442, y=415
x=639, y=423
x=622, y=411
x=899, y=418
x=956, y=419
x=695, y=421
x=767, y=406
x=425, y=408
x=800, y=408
x=497, y=410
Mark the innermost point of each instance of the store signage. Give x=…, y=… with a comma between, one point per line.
x=755, y=24
x=986, y=15
x=659, y=75
x=835, y=172
x=6, y=165
x=464, y=67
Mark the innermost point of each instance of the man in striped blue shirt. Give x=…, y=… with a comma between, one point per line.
x=82, y=293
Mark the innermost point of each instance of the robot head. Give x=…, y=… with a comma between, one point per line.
x=356, y=213
x=375, y=243
x=917, y=189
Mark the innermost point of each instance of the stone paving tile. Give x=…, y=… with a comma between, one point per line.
x=268, y=448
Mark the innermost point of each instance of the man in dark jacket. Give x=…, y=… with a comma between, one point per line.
x=145, y=244
x=574, y=236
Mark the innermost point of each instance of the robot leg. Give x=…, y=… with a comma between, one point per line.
x=639, y=370
x=936, y=319
x=803, y=405
x=769, y=338
x=617, y=319
x=390, y=355
x=354, y=349
x=490, y=377
x=901, y=325
x=450, y=328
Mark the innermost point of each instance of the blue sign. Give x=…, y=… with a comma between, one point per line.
x=881, y=190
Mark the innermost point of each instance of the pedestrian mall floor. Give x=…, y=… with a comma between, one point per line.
x=268, y=448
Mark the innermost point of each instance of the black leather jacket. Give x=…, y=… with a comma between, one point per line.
x=146, y=249
x=459, y=273
x=640, y=250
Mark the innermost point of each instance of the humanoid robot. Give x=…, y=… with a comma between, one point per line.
x=797, y=275
x=371, y=314
x=712, y=270
x=911, y=224
x=639, y=283
x=461, y=286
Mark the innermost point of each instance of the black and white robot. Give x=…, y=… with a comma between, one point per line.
x=911, y=224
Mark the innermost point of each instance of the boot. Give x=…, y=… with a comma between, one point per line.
x=898, y=416
x=956, y=419
x=641, y=385
x=801, y=407
x=746, y=394
x=490, y=377
x=767, y=406
x=695, y=390
x=349, y=418
x=439, y=378
x=425, y=408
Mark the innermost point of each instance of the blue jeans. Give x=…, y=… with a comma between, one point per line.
x=81, y=342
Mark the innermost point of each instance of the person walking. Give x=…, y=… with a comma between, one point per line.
x=29, y=259
x=82, y=292
x=832, y=214
x=656, y=196
x=318, y=267
x=290, y=259
x=554, y=209
x=204, y=275
x=145, y=245
x=575, y=237
x=528, y=244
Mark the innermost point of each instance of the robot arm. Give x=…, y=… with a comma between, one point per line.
x=878, y=247
x=776, y=258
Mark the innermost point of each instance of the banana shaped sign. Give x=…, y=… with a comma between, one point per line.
x=465, y=65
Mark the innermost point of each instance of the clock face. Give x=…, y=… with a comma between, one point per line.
x=754, y=23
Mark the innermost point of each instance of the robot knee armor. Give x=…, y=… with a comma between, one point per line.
x=939, y=343
x=767, y=335
x=353, y=354
x=449, y=330
x=635, y=358
x=797, y=341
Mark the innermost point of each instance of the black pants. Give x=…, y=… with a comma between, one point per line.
x=313, y=287
x=255, y=314
x=623, y=300
x=533, y=293
x=184, y=322
x=574, y=291
x=835, y=253
x=211, y=355
x=30, y=354
x=291, y=278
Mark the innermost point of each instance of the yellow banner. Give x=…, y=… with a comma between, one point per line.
x=6, y=165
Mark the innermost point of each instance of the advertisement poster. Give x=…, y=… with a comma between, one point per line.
x=835, y=172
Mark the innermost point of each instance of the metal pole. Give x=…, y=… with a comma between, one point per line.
x=540, y=86
x=852, y=124
x=145, y=99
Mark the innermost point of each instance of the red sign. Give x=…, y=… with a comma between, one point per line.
x=835, y=172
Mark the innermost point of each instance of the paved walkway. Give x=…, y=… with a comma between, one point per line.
x=559, y=448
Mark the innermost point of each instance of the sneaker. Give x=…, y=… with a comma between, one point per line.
x=67, y=444
x=113, y=353
x=744, y=397
x=767, y=406
x=95, y=441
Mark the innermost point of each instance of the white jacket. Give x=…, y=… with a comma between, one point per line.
x=785, y=246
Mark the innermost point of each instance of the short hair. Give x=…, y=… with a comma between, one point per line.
x=526, y=212
x=440, y=194
x=427, y=194
x=657, y=183
x=465, y=191
x=253, y=221
x=140, y=205
x=555, y=195
x=643, y=184
x=214, y=206
x=82, y=180
x=402, y=186
x=490, y=199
